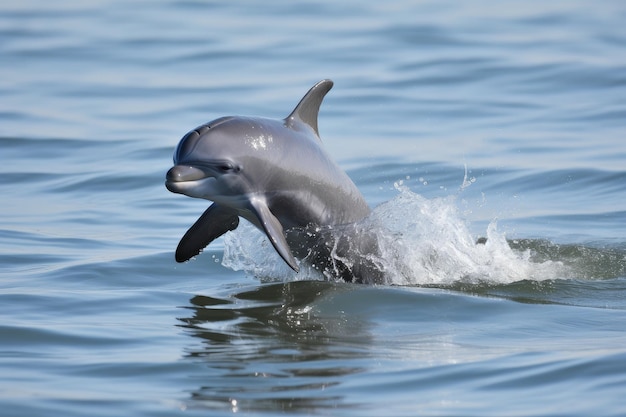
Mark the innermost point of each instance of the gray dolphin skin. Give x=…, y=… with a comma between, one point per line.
x=273, y=173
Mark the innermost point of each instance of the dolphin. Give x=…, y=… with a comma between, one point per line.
x=273, y=173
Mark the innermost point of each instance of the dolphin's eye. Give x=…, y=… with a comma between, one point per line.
x=226, y=168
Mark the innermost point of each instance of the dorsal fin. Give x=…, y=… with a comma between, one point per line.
x=306, y=111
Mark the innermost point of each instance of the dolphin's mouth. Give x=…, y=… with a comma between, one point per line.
x=179, y=178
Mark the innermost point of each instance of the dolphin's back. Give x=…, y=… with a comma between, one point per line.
x=303, y=185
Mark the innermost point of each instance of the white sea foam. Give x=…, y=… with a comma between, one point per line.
x=417, y=241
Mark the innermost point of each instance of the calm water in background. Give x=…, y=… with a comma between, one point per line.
x=456, y=120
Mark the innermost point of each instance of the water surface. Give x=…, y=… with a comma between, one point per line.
x=456, y=121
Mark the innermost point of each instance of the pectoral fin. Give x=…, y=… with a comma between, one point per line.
x=274, y=231
x=213, y=223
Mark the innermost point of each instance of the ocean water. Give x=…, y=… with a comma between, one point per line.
x=457, y=121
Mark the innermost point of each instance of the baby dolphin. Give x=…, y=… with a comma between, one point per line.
x=273, y=173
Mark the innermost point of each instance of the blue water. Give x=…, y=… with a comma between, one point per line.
x=457, y=120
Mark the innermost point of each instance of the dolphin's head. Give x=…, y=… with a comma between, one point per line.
x=208, y=164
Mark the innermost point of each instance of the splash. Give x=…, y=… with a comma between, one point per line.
x=411, y=240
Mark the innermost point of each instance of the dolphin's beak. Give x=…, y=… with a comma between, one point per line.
x=178, y=175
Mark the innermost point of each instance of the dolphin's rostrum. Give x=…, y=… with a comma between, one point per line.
x=273, y=173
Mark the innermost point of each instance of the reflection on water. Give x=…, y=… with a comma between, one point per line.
x=270, y=348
